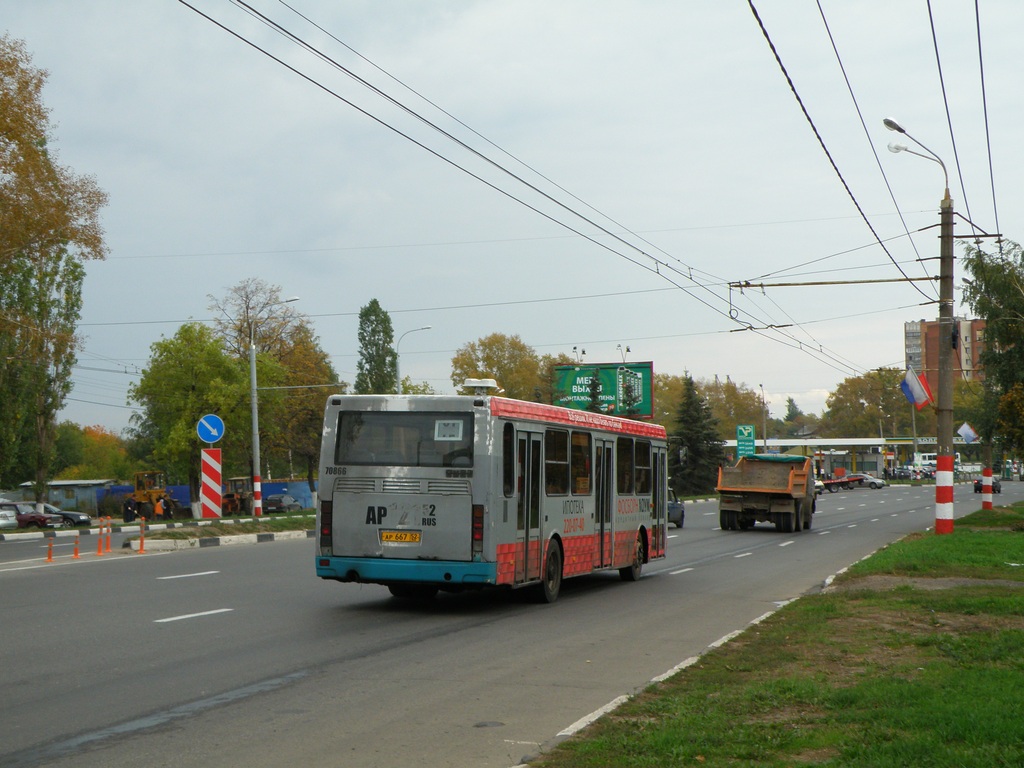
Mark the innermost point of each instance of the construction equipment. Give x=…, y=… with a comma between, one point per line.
x=150, y=487
x=237, y=499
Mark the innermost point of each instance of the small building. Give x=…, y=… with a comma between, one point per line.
x=78, y=495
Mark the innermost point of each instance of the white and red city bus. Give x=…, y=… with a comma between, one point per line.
x=424, y=493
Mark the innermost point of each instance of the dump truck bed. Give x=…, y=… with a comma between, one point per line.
x=772, y=474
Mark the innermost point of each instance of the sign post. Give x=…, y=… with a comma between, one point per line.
x=745, y=440
x=210, y=429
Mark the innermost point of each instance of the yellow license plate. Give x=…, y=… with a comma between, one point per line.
x=400, y=537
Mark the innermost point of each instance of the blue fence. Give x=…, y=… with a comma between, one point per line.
x=299, y=489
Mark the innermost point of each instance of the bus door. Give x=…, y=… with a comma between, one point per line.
x=528, y=506
x=604, y=478
x=659, y=500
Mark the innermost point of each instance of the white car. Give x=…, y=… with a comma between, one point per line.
x=861, y=479
x=8, y=518
x=819, y=487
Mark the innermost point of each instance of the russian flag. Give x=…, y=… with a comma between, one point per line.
x=916, y=389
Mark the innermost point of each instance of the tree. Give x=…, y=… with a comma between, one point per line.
x=695, y=448
x=872, y=405
x=792, y=411
x=49, y=224
x=995, y=293
x=187, y=377
x=287, y=353
x=545, y=392
x=103, y=456
x=668, y=390
x=506, y=359
x=732, y=404
x=309, y=370
x=410, y=387
x=377, y=369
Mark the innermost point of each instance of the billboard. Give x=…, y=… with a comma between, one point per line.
x=620, y=389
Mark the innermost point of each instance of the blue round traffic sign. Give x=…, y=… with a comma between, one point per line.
x=210, y=428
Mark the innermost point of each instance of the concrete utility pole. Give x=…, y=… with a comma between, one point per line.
x=944, y=461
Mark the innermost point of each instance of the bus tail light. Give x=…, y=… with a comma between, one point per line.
x=326, y=533
x=478, y=529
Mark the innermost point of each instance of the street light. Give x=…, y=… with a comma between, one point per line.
x=257, y=490
x=944, y=461
x=398, y=372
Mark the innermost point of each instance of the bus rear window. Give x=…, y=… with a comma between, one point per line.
x=405, y=439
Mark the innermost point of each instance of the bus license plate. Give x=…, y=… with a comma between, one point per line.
x=400, y=537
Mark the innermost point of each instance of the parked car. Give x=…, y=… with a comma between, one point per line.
x=903, y=473
x=676, y=510
x=70, y=519
x=997, y=487
x=8, y=517
x=860, y=479
x=27, y=517
x=278, y=502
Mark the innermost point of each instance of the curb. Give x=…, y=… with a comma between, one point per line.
x=170, y=545
x=121, y=527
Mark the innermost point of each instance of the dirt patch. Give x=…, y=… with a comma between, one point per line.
x=886, y=583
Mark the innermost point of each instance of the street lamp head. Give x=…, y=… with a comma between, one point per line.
x=892, y=125
x=897, y=148
x=289, y=300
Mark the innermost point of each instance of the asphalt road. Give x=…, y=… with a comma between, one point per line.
x=239, y=656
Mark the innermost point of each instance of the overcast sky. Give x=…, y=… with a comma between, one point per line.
x=668, y=125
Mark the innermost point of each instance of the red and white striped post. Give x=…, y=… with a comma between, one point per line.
x=210, y=487
x=944, y=494
x=986, y=488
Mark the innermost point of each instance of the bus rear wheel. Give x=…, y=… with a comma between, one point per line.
x=551, y=583
x=632, y=571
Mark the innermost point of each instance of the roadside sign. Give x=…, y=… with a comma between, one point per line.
x=745, y=440
x=210, y=428
x=209, y=490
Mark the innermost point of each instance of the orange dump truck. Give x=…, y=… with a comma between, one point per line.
x=767, y=488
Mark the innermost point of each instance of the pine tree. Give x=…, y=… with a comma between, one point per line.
x=696, y=451
x=376, y=370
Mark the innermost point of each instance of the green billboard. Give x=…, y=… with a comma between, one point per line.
x=620, y=389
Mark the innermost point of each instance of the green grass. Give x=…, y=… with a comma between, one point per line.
x=884, y=670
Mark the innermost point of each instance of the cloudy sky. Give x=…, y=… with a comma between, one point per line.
x=584, y=174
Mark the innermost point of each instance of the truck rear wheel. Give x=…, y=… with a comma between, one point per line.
x=784, y=521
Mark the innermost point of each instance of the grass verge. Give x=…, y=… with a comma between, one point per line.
x=913, y=657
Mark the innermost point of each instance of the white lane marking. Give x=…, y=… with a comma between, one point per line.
x=824, y=533
x=786, y=543
x=186, y=575
x=745, y=554
x=192, y=615
x=852, y=526
x=585, y=721
x=681, y=570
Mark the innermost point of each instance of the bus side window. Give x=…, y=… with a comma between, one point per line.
x=624, y=465
x=579, y=468
x=556, y=462
x=508, y=460
x=643, y=467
